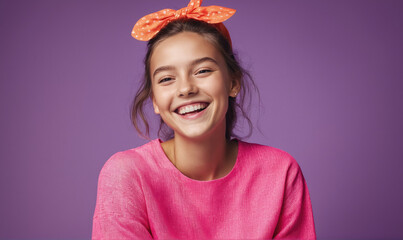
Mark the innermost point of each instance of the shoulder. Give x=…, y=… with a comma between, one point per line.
x=131, y=161
x=270, y=161
x=266, y=154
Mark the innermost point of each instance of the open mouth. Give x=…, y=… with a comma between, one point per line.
x=192, y=108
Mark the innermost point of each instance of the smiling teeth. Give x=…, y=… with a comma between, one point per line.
x=191, y=108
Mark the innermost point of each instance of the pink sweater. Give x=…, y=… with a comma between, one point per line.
x=141, y=195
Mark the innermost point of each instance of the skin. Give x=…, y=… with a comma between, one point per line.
x=187, y=69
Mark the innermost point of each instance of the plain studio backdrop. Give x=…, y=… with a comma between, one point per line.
x=329, y=73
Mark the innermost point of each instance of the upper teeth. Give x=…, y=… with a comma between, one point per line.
x=191, y=108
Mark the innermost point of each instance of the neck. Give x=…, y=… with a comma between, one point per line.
x=202, y=159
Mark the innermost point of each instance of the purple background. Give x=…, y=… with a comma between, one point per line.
x=329, y=72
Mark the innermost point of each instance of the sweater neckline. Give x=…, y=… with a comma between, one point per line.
x=167, y=163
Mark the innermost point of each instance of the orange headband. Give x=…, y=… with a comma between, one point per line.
x=148, y=26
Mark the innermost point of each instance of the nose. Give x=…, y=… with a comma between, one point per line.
x=187, y=87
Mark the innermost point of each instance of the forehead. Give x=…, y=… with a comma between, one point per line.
x=182, y=48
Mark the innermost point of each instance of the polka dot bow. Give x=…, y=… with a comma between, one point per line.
x=151, y=24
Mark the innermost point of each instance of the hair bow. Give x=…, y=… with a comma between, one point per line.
x=151, y=24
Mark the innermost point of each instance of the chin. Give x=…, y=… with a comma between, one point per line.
x=199, y=133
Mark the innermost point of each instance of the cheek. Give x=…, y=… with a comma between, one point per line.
x=161, y=99
x=219, y=92
x=217, y=88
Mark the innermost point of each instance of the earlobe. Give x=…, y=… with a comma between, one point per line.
x=235, y=88
x=233, y=94
x=156, y=109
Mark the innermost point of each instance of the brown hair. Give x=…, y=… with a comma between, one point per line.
x=223, y=45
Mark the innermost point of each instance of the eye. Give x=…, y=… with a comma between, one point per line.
x=203, y=71
x=165, y=79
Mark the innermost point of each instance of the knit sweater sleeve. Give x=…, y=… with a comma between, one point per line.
x=120, y=211
x=296, y=218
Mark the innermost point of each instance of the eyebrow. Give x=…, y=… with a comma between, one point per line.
x=193, y=63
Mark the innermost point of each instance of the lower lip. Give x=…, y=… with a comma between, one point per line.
x=193, y=115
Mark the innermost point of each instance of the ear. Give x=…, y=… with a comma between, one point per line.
x=156, y=109
x=235, y=88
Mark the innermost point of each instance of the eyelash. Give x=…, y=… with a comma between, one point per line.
x=166, y=79
x=203, y=71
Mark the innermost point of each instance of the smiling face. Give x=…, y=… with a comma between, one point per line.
x=191, y=85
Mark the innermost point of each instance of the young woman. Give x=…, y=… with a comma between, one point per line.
x=201, y=183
